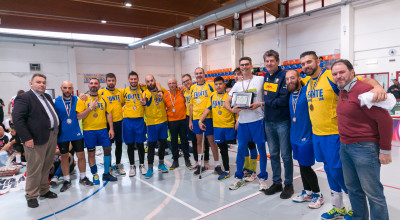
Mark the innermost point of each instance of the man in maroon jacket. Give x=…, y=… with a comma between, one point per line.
x=365, y=136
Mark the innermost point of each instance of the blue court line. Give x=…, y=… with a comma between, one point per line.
x=75, y=203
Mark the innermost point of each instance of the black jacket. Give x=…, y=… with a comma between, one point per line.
x=30, y=118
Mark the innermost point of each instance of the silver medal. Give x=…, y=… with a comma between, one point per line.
x=69, y=121
x=173, y=110
x=294, y=119
x=134, y=108
x=198, y=101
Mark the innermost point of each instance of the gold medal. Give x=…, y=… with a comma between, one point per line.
x=219, y=112
x=294, y=119
x=95, y=115
x=311, y=107
x=69, y=121
x=134, y=107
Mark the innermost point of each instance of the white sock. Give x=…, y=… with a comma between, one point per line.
x=18, y=158
x=66, y=178
x=308, y=192
x=200, y=158
x=82, y=175
x=216, y=163
x=337, y=199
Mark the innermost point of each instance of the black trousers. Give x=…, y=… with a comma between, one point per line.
x=309, y=178
x=223, y=149
x=179, y=128
x=151, y=151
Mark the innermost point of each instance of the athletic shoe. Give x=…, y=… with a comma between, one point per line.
x=96, y=179
x=132, y=172
x=218, y=170
x=274, y=188
x=262, y=184
x=188, y=164
x=109, y=177
x=66, y=185
x=303, y=197
x=54, y=181
x=86, y=182
x=197, y=172
x=349, y=215
x=175, y=165
x=207, y=164
x=224, y=175
x=142, y=169
x=334, y=214
x=250, y=177
x=236, y=184
x=196, y=164
x=162, y=168
x=317, y=201
x=287, y=192
x=149, y=173
x=120, y=169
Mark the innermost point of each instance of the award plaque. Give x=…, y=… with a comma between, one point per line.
x=242, y=99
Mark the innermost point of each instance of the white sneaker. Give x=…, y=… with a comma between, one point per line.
x=142, y=169
x=54, y=181
x=132, y=172
x=121, y=170
x=317, y=201
x=251, y=177
x=262, y=184
x=236, y=184
x=302, y=197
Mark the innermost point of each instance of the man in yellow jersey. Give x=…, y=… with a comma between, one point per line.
x=223, y=122
x=176, y=114
x=322, y=97
x=113, y=97
x=156, y=124
x=187, y=83
x=134, y=128
x=199, y=95
x=96, y=113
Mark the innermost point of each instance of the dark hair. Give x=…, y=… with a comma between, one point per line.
x=312, y=53
x=245, y=58
x=218, y=78
x=345, y=62
x=271, y=53
x=188, y=75
x=110, y=75
x=237, y=69
x=230, y=83
x=322, y=58
x=133, y=73
x=20, y=92
x=94, y=79
x=38, y=75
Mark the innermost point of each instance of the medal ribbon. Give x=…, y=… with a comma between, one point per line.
x=95, y=109
x=294, y=102
x=68, y=110
x=134, y=99
x=201, y=88
x=314, y=85
x=219, y=106
x=245, y=90
x=173, y=103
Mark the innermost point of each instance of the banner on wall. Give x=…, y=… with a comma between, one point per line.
x=100, y=76
x=395, y=112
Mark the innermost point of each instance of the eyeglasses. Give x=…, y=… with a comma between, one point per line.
x=245, y=64
x=186, y=81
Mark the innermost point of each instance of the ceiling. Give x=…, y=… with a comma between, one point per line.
x=142, y=19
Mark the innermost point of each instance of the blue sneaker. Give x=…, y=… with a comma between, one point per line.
x=149, y=173
x=163, y=168
x=96, y=180
x=109, y=177
x=224, y=175
x=349, y=215
x=334, y=214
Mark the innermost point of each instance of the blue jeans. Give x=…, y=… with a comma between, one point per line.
x=361, y=170
x=279, y=145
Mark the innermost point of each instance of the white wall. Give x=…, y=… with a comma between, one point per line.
x=190, y=60
x=218, y=54
x=256, y=43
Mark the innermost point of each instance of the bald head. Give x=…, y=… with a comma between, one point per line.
x=172, y=84
x=67, y=89
x=150, y=82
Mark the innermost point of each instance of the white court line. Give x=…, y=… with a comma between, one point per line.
x=172, y=197
x=239, y=201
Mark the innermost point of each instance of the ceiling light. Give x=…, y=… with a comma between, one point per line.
x=103, y=21
x=128, y=4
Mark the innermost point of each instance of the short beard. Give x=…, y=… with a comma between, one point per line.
x=94, y=89
x=294, y=88
x=65, y=95
x=151, y=87
x=111, y=86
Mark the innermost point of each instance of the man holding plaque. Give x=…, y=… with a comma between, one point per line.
x=65, y=106
x=250, y=122
x=96, y=113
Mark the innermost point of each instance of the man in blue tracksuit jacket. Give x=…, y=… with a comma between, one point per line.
x=277, y=124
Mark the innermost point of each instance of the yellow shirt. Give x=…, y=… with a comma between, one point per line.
x=222, y=118
x=113, y=98
x=199, y=96
x=186, y=94
x=91, y=122
x=154, y=110
x=131, y=98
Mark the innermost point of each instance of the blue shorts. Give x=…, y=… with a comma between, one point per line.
x=222, y=135
x=117, y=131
x=209, y=127
x=251, y=132
x=304, y=153
x=95, y=138
x=157, y=132
x=326, y=149
x=133, y=130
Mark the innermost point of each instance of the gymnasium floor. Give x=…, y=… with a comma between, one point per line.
x=180, y=195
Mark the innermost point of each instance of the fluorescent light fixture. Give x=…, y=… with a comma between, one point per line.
x=128, y=4
x=371, y=62
x=103, y=21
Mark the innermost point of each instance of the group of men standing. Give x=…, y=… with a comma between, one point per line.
x=291, y=114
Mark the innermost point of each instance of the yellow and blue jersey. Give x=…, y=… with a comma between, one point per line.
x=131, y=98
x=154, y=109
x=113, y=98
x=222, y=118
x=96, y=119
x=186, y=95
x=199, y=96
